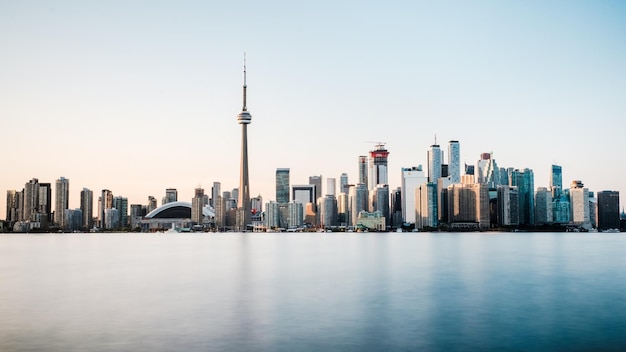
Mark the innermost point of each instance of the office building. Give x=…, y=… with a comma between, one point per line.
x=426, y=206
x=396, y=208
x=282, y=185
x=524, y=180
x=454, y=161
x=331, y=185
x=328, y=211
x=608, y=210
x=434, y=163
x=171, y=195
x=508, y=206
x=579, y=203
x=216, y=191
x=363, y=169
x=556, y=181
x=317, y=181
x=61, y=201
x=358, y=201
x=543, y=206
x=296, y=215
x=343, y=183
x=121, y=204
x=412, y=177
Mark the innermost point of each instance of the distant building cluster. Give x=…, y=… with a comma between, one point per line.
x=483, y=196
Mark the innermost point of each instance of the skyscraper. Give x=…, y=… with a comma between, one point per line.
x=378, y=174
x=556, y=181
x=412, y=178
x=197, y=204
x=105, y=203
x=454, y=161
x=579, y=202
x=171, y=195
x=331, y=185
x=524, y=180
x=317, y=181
x=244, y=118
x=31, y=199
x=363, y=169
x=608, y=210
x=61, y=201
x=86, y=205
x=343, y=183
x=282, y=186
x=434, y=163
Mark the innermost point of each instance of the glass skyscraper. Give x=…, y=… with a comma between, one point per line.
x=282, y=186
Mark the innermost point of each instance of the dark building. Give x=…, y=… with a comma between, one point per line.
x=608, y=210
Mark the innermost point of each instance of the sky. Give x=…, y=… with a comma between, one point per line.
x=140, y=96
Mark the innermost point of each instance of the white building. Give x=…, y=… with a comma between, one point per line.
x=412, y=178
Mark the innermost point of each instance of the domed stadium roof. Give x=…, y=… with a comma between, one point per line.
x=177, y=210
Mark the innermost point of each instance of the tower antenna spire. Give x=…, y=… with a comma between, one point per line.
x=245, y=86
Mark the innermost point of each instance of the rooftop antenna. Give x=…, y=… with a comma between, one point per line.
x=245, y=86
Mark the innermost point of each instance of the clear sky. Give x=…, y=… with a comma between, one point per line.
x=140, y=96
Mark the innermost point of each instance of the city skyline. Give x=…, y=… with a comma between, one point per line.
x=112, y=100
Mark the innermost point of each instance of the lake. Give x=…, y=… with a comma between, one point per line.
x=313, y=292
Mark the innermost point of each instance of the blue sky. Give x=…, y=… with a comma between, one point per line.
x=140, y=96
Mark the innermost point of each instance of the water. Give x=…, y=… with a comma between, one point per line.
x=313, y=292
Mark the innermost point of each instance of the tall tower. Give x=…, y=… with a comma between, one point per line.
x=244, y=118
x=282, y=185
x=434, y=163
x=454, y=161
x=378, y=166
x=61, y=200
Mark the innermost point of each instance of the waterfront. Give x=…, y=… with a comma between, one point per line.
x=313, y=292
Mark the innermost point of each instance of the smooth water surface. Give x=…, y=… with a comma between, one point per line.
x=313, y=292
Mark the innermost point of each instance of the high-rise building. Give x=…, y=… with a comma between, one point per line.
x=86, y=205
x=272, y=218
x=317, y=181
x=524, y=180
x=608, y=210
x=396, y=208
x=62, y=200
x=216, y=191
x=579, y=202
x=543, y=206
x=378, y=174
x=412, y=178
x=328, y=211
x=556, y=181
x=45, y=202
x=282, y=185
x=454, y=161
x=358, y=201
x=296, y=215
x=121, y=204
x=331, y=185
x=197, y=205
x=152, y=204
x=171, y=195
x=380, y=201
x=487, y=171
x=508, y=206
x=31, y=199
x=363, y=169
x=243, y=203
x=11, y=215
x=104, y=203
x=434, y=163
x=343, y=212
x=343, y=183
x=426, y=206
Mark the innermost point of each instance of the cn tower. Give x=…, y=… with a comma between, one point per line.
x=243, y=205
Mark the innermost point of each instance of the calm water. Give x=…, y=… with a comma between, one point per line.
x=312, y=292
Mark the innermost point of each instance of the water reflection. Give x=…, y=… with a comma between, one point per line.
x=311, y=292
